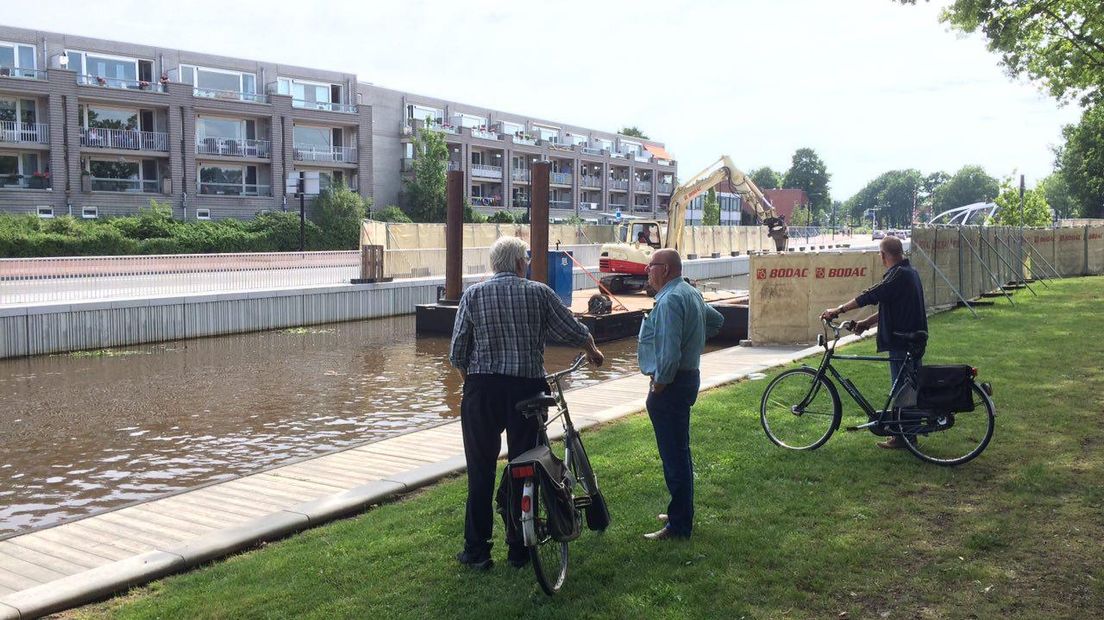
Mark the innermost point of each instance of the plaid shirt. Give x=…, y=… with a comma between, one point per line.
x=502, y=323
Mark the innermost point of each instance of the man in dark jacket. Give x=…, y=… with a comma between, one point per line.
x=900, y=300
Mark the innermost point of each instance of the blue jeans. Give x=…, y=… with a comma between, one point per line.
x=670, y=414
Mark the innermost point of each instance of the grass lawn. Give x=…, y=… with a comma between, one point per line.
x=846, y=528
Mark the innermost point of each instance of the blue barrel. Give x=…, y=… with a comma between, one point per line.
x=559, y=274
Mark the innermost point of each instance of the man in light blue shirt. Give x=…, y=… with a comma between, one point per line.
x=671, y=342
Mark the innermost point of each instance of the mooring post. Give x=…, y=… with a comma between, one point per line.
x=454, y=236
x=538, y=221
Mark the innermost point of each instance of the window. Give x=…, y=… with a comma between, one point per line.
x=469, y=120
x=310, y=94
x=631, y=148
x=547, y=134
x=21, y=170
x=18, y=110
x=218, y=82
x=510, y=128
x=106, y=70
x=578, y=140
x=308, y=136
x=123, y=175
x=98, y=117
x=229, y=180
x=203, y=214
x=90, y=213
x=45, y=212
x=17, y=60
x=416, y=112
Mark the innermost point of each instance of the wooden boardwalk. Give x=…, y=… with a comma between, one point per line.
x=80, y=561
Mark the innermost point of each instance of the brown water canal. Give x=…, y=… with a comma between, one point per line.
x=85, y=432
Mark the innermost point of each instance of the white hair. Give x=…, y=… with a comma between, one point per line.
x=506, y=252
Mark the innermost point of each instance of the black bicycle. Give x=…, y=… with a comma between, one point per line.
x=554, y=493
x=941, y=413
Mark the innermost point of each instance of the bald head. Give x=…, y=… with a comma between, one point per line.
x=892, y=248
x=670, y=258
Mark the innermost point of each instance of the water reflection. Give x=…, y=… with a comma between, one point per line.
x=85, y=432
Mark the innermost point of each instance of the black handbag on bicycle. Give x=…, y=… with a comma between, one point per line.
x=945, y=388
x=563, y=519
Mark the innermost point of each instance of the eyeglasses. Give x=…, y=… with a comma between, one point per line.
x=650, y=265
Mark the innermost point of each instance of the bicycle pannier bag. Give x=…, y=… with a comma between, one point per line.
x=556, y=504
x=945, y=388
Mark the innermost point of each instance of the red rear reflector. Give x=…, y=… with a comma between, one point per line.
x=526, y=503
x=524, y=471
x=973, y=372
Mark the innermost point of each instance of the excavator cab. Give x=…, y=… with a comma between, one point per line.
x=646, y=233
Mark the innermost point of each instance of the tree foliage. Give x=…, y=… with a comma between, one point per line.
x=634, y=132
x=801, y=216
x=1056, y=192
x=1081, y=161
x=892, y=194
x=1035, y=211
x=711, y=209
x=969, y=185
x=766, y=178
x=1058, y=43
x=425, y=192
x=808, y=172
x=391, y=213
x=338, y=211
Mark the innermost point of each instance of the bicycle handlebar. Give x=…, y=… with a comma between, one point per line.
x=849, y=325
x=570, y=369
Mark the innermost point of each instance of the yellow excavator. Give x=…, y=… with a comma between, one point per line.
x=624, y=263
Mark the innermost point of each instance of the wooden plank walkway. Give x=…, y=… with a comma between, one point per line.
x=80, y=561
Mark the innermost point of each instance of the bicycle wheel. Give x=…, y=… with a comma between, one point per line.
x=549, y=557
x=800, y=411
x=949, y=438
x=597, y=512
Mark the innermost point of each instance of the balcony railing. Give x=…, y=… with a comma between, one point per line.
x=642, y=208
x=561, y=178
x=233, y=148
x=234, y=189
x=617, y=155
x=523, y=140
x=484, y=134
x=486, y=171
x=324, y=105
x=27, y=133
x=346, y=154
x=127, y=139
x=19, y=72
x=518, y=174
x=24, y=181
x=665, y=188
x=559, y=146
x=560, y=204
x=642, y=157
x=589, y=150
x=443, y=128
x=230, y=95
x=643, y=186
x=125, y=84
x=123, y=185
x=617, y=205
x=591, y=181
x=619, y=184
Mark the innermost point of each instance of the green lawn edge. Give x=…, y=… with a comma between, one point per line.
x=846, y=529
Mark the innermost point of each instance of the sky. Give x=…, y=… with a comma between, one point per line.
x=870, y=85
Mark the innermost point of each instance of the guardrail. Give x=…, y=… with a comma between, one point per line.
x=100, y=184
x=346, y=154
x=233, y=148
x=27, y=133
x=20, y=72
x=328, y=106
x=125, y=139
x=120, y=83
x=486, y=171
x=234, y=189
x=229, y=95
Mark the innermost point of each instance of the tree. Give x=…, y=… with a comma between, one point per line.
x=391, y=213
x=502, y=217
x=893, y=194
x=634, y=132
x=766, y=178
x=809, y=173
x=1056, y=192
x=1081, y=161
x=425, y=192
x=338, y=212
x=925, y=198
x=1059, y=43
x=969, y=185
x=1035, y=211
x=801, y=216
x=711, y=209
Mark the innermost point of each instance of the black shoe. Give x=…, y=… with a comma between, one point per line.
x=480, y=561
x=517, y=557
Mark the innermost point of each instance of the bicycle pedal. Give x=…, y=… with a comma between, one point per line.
x=861, y=427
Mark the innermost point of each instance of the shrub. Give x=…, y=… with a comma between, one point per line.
x=502, y=217
x=338, y=212
x=391, y=213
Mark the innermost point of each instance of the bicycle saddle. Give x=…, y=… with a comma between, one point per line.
x=540, y=401
x=919, y=337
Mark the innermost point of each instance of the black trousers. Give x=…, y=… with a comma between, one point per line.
x=487, y=409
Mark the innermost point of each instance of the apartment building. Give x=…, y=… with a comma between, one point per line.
x=93, y=128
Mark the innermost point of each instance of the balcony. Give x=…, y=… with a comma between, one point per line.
x=24, y=133
x=123, y=185
x=119, y=83
x=486, y=171
x=346, y=154
x=617, y=155
x=484, y=134
x=589, y=150
x=26, y=74
x=234, y=189
x=641, y=157
x=407, y=164
x=444, y=128
x=125, y=139
x=561, y=178
x=619, y=184
x=557, y=146
x=230, y=95
x=617, y=205
x=560, y=204
x=590, y=181
x=324, y=105
x=518, y=174
x=665, y=188
x=643, y=186
x=38, y=180
x=454, y=166
x=525, y=140
x=233, y=148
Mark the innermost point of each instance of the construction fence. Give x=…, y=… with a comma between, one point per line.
x=956, y=264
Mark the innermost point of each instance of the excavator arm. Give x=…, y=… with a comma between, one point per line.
x=719, y=171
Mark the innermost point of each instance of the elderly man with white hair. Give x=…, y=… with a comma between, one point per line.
x=498, y=346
